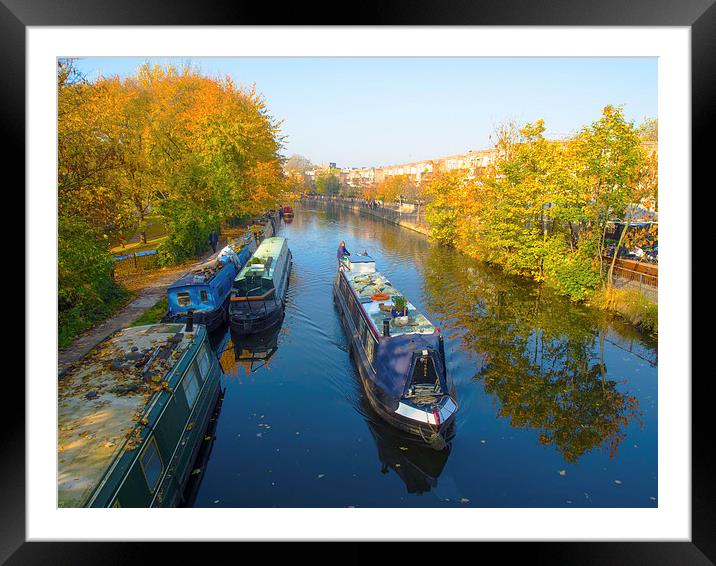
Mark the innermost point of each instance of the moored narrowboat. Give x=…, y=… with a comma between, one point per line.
x=205, y=290
x=399, y=353
x=287, y=212
x=258, y=295
x=132, y=417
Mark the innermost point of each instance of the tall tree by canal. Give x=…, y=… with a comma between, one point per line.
x=541, y=209
x=194, y=150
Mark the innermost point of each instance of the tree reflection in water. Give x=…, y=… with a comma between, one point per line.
x=540, y=356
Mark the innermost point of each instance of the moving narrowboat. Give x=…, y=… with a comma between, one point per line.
x=205, y=290
x=258, y=295
x=400, y=355
x=133, y=416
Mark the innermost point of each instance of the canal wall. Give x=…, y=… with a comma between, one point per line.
x=408, y=215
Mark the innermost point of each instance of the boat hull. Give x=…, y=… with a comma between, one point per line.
x=211, y=319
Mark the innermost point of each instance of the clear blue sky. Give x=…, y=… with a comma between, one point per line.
x=379, y=111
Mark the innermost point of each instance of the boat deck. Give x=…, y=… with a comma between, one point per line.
x=103, y=396
x=366, y=284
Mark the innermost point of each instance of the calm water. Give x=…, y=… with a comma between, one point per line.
x=558, y=405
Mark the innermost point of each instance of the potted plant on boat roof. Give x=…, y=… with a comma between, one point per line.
x=400, y=306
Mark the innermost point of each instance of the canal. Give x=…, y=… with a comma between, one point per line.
x=558, y=403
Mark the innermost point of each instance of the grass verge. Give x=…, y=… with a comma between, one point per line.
x=153, y=314
x=631, y=305
x=75, y=321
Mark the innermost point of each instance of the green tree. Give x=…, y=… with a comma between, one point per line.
x=328, y=183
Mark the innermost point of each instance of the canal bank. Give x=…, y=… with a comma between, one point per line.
x=406, y=216
x=634, y=302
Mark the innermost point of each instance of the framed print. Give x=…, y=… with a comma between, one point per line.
x=576, y=432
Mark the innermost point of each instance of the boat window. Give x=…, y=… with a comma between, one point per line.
x=191, y=385
x=370, y=349
x=183, y=299
x=362, y=330
x=204, y=361
x=204, y=296
x=151, y=463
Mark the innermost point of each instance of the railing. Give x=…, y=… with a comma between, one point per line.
x=637, y=276
x=135, y=262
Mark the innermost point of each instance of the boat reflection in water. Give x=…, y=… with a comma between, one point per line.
x=252, y=351
x=415, y=462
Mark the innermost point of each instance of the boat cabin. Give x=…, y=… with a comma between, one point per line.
x=132, y=416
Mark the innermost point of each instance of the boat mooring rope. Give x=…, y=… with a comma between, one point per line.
x=436, y=440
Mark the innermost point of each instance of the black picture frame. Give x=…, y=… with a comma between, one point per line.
x=17, y=15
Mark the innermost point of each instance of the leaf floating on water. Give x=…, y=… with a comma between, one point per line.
x=464, y=500
x=483, y=441
x=403, y=448
x=653, y=498
x=563, y=472
x=216, y=500
x=321, y=475
x=617, y=481
x=258, y=434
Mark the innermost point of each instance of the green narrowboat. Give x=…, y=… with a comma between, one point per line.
x=133, y=417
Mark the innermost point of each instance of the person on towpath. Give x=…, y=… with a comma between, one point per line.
x=213, y=240
x=341, y=254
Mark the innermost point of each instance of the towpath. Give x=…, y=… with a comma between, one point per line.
x=149, y=291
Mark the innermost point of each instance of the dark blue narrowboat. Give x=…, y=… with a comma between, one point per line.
x=258, y=296
x=400, y=355
x=135, y=417
x=205, y=290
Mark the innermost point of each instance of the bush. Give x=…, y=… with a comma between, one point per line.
x=571, y=273
x=189, y=229
x=87, y=292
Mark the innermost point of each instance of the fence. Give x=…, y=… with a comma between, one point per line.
x=645, y=278
x=133, y=263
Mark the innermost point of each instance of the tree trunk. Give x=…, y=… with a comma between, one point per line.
x=616, y=253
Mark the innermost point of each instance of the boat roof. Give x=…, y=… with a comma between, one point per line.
x=269, y=248
x=101, y=398
x=366, y=284
x=200, y=275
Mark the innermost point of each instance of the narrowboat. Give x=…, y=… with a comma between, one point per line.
x=264, y=227
x=287, y=212
x=400, y=355
x=133, y=416
x=258, y=295
x=204, y=291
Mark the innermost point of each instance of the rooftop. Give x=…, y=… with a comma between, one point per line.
x=269, y=248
